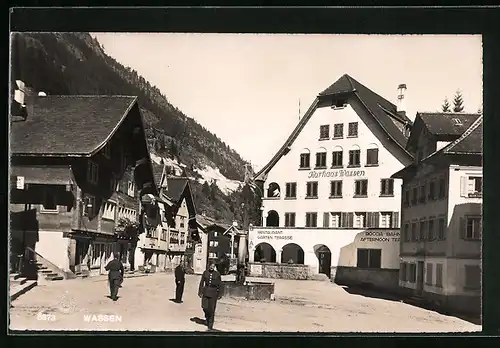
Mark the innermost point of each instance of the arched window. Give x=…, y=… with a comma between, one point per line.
x=292, y=253
x=337, y=157
x=321, y=158
x=355, y=156
x=264, y=252
x=305, y=159
x=273, y=219
x=273, y=191
x=372, y=155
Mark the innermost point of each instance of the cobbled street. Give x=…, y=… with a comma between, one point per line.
x=145, y=305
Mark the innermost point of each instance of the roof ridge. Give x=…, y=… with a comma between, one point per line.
x=465, y=134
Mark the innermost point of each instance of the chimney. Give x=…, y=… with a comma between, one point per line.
x=401, y=108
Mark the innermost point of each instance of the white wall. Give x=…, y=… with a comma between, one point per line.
x=386, y=240
x=54, y=247
x=287, y=170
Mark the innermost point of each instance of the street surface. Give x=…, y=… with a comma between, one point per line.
x=145, y=305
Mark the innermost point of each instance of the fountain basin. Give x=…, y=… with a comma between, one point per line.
x=251, y=290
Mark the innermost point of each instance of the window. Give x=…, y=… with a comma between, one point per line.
x=372, y=157
x=439, y=275
x=442, y=188
x=321, y=160
x=354, y=158
x=182, y=220
x=471, y=186
x=163, y=235
x=305, y=159
x=131, y=189
x=428, y=274
x=406, y=198
x=432, y=191
x=387, y=187
x=359, y=219
x=183, y=238
x=413, y=231
x=106, y=151
x=311, y=219
x=109, y=211
x=49, y=200
x=472, y=277
x=414, y=196
x=312, y=189
x=472, y=228
x=114, y=185
x=289, y=219
x=337, y=159
x=385, y=219
x=353, y=129
x=291, y=190
x=441, y=229
x=92, y=172
x=369, y=258
x=338, y=131
x=336, y=188
x=422, y=194
x=431, y=233
x=406, y=232
x=324, y=132
x=422, y=230
x=90, y=206
x=335, y=219
x=402, y=271
x=361, y=188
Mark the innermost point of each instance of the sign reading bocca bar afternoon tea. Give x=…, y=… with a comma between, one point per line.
x=380, y=236
x=270, y=235
x=338, y=173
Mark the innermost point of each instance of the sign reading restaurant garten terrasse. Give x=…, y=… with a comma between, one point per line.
x=272, y=234
x=338, y=173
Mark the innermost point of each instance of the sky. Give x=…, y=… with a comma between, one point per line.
x=246, y=88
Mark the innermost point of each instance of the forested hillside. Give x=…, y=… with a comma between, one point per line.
x=75, y=63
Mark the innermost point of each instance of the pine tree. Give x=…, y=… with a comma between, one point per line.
x=446, y=105
x=205, y=189
x=458, y=102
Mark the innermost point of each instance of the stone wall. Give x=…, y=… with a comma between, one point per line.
x=249, y=291
x=380, y=279
x=280, y=271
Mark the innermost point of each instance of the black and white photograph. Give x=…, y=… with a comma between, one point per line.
x=218, y=182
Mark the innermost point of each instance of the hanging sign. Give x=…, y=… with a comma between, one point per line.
x=20, y=183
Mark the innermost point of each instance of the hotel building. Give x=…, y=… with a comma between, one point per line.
x=441, y=211
x=331, y=180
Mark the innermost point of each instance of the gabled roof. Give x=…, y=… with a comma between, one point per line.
x=206, y=222
x=445, y=123
x=69, y=125
x=176, y=187
x=384, y=112
x=469, y=143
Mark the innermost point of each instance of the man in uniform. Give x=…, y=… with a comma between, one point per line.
x=115, y=275
x=209, y=291
x=180, y=274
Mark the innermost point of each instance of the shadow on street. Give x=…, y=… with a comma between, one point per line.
x=175, y=301
x=371, y=293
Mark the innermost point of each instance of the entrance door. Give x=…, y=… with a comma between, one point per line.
x=325, y=258
x=420, y=277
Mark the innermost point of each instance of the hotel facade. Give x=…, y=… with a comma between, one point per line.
x=442, y=212
x=331, y=180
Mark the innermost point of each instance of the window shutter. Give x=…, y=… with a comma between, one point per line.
x=395, y=219
x=462, y=228
x=343, y=220
x=463, y=186
x=350, y=219
x=376, y=219
x=369, y=219
x=326, y=219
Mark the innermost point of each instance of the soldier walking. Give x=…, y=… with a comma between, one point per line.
x=209, y=291
x=115, y=275
x=180, y=277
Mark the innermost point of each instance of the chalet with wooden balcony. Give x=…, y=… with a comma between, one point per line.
x=79, y=165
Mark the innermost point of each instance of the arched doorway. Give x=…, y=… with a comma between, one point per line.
x=324, y=256
x=292, y=253
x=273, y=219
x=264, y=252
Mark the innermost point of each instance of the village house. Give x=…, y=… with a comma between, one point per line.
x=79, y=165
x=172, y=229
x=331, y=181
x=440, y=247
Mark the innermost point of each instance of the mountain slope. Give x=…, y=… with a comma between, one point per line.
x=75, y=63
